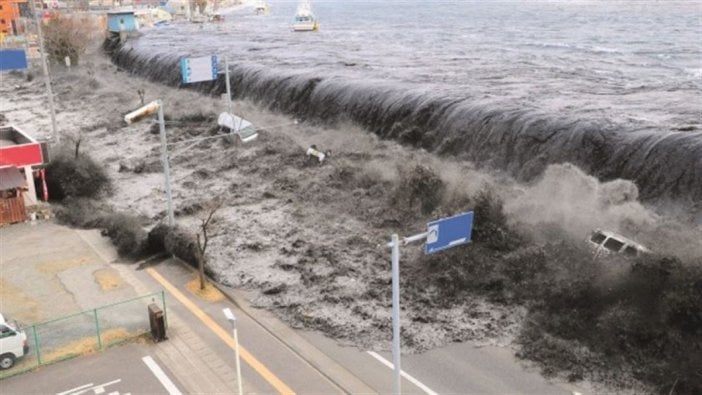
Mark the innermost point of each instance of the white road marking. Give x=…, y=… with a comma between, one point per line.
x=96, y=389
x=161, y=376
x=403, y=373
x=73, y=390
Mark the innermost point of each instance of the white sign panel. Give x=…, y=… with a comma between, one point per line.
x=199, y=69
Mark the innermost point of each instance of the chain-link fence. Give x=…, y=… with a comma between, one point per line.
x=85, y=332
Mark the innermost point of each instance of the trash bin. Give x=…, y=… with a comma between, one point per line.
x=158, y=324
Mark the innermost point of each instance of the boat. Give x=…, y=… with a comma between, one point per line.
x=305, y=20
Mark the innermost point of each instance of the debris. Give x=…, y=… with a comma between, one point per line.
x=313, y=151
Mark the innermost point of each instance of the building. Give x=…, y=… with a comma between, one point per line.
x=12, y=187
x=21, y=151
x=10, y=12
x=122, y=21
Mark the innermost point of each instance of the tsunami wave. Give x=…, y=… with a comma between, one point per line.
x=665, y=165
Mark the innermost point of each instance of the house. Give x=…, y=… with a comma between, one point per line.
x=122, y=21
x=12, y=187
x=10, y=12
x=21, y=151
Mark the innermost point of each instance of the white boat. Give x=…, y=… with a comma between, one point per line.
x=305, y=20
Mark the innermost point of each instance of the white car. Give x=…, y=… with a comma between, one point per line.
x=13, y=344
x=605, y=242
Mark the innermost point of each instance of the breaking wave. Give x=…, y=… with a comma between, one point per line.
x=664, y=165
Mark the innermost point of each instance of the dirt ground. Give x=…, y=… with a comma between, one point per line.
x=309, y=237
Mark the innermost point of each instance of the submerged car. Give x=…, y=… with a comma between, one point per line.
x=606, y=242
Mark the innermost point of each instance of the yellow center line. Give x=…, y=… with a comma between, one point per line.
x=224, y=335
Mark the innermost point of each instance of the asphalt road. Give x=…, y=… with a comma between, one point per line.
x=455, y=369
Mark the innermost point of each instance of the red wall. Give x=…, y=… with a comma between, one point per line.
x=21, y=155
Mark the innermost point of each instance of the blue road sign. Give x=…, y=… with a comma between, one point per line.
x=13, y=59
x=198, y=69
x=448, y=232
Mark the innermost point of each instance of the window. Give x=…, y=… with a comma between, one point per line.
x=6, y=332
x=613, y=244
x=630, y=251
x=597, y=238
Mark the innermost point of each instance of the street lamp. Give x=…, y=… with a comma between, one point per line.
x=136, y=115
x=232, y=320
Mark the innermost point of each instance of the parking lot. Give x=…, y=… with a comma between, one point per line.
x=120, y=370
x=57, y=285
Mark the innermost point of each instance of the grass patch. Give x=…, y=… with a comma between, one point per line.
x=54, y=267
x=14, y=296
x=108, y=279
x=210, y=293
x=86, y=345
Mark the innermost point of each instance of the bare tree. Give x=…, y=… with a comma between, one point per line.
x=69, y=36
x=203, y=237
x=77, y=140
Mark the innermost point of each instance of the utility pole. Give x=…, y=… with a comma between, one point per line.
x=47, y=76
x=136, y=115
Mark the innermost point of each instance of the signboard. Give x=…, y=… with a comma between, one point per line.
x=20, y=149
x=448, y=232
x=13, y=59
x=198, y=69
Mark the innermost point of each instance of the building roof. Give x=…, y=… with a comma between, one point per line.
x=11, y=178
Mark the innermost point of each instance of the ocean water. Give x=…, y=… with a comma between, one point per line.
x=612, y=86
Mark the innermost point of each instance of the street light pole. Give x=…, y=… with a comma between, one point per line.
x=164, y=159
x=157, y=105
x=232, y=320
x=395, y=243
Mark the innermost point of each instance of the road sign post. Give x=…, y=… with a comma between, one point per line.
x=440, y=235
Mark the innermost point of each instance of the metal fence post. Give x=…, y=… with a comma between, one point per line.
x=36, y=344
x=97, y=329
x=165, y=313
